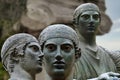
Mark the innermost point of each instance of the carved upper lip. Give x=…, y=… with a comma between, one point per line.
x=59, y=62
x=40, y=61
x=91, y=27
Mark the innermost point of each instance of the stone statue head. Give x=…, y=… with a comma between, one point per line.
x=60, y=45
x=87, y=16
x=22, y=50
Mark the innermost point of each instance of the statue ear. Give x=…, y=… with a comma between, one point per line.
x=11, y=66
x=13, y=59
x=75, y=21
x=14, y=55
x=78, y=53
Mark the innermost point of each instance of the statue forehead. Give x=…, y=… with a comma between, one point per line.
x=90, y=13
x=58, y=31
x=56, y=28
x=85, y=7
x=59, y=41
x=19, y=38
x=15, y=40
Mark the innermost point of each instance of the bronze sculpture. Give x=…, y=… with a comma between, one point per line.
x=95, y=60
x=108, y=76
x=22, y=57
x=59, y=44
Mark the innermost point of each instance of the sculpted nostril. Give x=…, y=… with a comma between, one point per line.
x=58, y=57
x=41, y=56
x=91, y=23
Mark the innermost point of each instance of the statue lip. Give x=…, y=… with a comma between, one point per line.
x=59, y=64
x=40, y=61
x=91, y=27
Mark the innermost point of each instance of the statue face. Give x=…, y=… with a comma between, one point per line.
x=59, y=55
x=33, y=56
x=88, y=22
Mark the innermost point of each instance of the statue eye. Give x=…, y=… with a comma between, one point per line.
x=96, y=17
x=67, y=47
x=85, y=17
x=34, y=48
x=51, y=47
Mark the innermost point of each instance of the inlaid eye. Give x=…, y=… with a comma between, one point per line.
x=51, y=47
x=85, y=17
x=67, y=47
x=34, y=48
x=96, y=17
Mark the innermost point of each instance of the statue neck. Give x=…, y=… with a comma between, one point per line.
x=20, y=74
x=88, y=39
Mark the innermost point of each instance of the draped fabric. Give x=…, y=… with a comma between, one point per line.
x=116, y=58
x=89, y=66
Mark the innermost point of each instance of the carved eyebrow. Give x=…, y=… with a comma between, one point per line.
x=49, y=43
x=68, y=42
x=32, y=45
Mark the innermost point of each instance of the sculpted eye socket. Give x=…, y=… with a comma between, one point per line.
x=51, y=47
x=34, y=48
x=96, y=17
x=85, y=16
x=67, y=47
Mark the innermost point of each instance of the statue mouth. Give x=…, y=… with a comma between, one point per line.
x=40, y=61
x=59, y=64
x=91, y=28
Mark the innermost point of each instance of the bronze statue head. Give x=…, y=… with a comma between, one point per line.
x=87, y=18
x=18, y=48
x=60, y=45
x=58, y=31
x=82, y=8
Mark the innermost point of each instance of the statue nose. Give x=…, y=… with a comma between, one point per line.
x=91, y=23
x=41, y=55
x=58, y=55
x=91, y=18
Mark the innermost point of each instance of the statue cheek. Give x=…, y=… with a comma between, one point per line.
x=97, y=24
x=69, y=58
x=48, y=57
